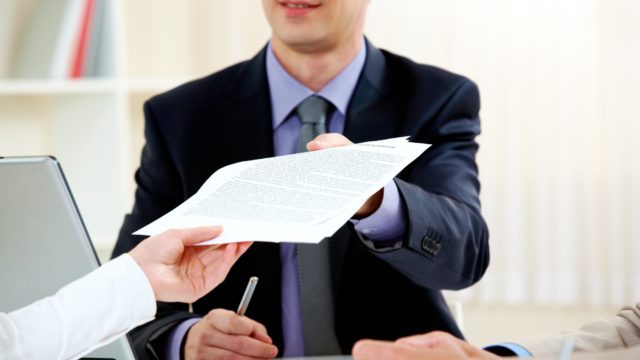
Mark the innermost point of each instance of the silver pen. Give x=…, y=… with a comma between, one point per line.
x=248, y=292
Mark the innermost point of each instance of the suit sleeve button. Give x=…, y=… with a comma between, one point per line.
x=430, y=245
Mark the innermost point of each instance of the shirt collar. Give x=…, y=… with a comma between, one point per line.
x=287, y=92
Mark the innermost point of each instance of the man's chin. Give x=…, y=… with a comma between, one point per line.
x=308, y=44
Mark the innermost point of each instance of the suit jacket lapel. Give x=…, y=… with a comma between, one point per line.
x=250, y=92
x=371, y=114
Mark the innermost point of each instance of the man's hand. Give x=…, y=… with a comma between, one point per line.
x=180, y=272
x=223, y=334
x=330, y=140
x=435, y=345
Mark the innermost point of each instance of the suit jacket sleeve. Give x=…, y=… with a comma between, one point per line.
x=622, y=330
x=446, y=241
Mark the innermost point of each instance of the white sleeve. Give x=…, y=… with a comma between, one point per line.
x=82, y=316
x=9, y=346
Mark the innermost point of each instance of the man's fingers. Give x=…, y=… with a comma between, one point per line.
x=365, y=349
x=427, y=340
x=231, y=323
x=454, y=348
x=329, y=140
x=242, y=345
x=262, y=336
x=439, y=344
x=382, y=350
x=445, y=350
x=260, y=333
x=442, y=340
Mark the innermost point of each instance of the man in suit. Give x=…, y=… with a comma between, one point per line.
x=607, y=338
x=383, y=271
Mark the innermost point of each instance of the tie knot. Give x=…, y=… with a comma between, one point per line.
x=313, y=110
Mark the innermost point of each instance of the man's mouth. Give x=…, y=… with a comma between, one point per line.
x=297, y=6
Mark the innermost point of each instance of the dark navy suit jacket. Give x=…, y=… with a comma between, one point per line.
x=197, y=128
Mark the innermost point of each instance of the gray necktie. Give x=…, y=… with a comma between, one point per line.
x=314, y=273
x=313, y=113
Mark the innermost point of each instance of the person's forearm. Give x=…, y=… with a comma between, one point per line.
x=87, y=313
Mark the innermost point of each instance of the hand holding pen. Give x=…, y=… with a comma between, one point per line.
x=223, y=333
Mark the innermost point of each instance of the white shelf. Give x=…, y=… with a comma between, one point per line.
x=57, y=87
x=87, y=86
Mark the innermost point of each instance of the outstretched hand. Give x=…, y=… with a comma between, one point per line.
x=181, y=272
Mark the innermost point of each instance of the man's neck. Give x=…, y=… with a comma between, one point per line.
x=315, y=69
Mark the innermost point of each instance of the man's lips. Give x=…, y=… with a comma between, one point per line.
x=298, y=8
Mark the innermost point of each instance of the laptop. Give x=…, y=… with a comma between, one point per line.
x=44, y=244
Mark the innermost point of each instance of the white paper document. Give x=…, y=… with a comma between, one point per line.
x=302, y=197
